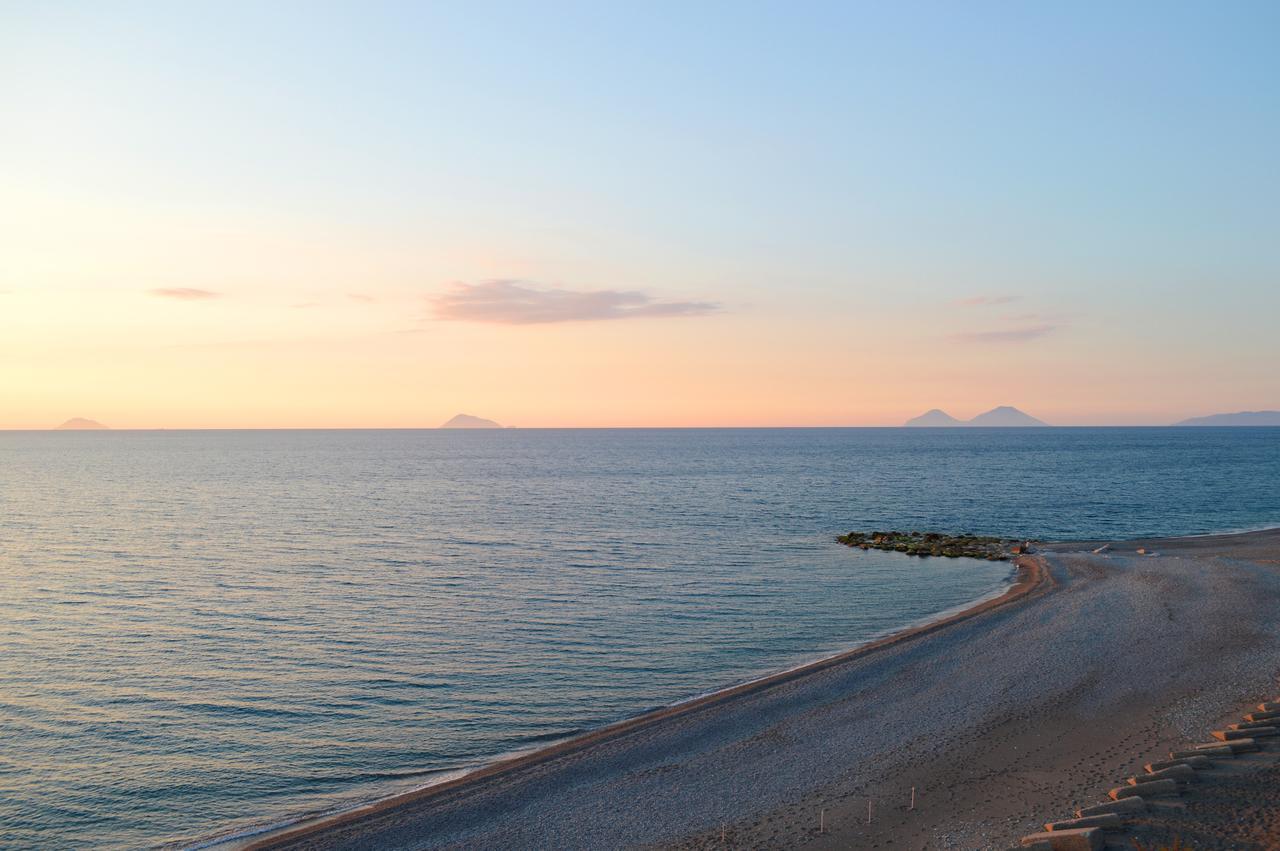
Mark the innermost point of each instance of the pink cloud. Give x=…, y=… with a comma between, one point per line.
x=520, y=303
x=981, y=300
x=1011, y=335
x=184, y=293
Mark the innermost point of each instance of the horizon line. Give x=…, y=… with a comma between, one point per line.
x=962, y=427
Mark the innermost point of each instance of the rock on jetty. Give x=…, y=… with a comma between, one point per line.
x=938, y=544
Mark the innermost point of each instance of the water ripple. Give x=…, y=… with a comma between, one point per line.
x=205, y=632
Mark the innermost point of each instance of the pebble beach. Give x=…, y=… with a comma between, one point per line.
x=971, y=733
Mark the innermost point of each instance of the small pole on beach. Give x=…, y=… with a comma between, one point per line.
x=722, y=839
x=822, y=821
x=913, y=798
x=869, y=810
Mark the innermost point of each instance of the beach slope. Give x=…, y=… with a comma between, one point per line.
x=999, y=719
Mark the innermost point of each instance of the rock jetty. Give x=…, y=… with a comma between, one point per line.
x=938, y=544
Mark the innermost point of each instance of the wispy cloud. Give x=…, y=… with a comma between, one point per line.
x=304, y=305
x=184, y=293
x=983, y=300
x=1007, y=335
x=362, y=298
x=523, y=303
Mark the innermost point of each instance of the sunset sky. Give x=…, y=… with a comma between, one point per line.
x=378, y=214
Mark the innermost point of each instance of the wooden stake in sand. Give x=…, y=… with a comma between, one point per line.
x=822, y=821
x=913, y=799
x=868, y=811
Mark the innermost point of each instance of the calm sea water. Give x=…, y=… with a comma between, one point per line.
x=208, y=631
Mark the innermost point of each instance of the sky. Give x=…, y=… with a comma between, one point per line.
x=311, y=214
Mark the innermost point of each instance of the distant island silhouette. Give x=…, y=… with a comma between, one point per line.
x=1001, y=417
x=1242, y=418
x=468, y=421
x=936, y=418
x=81, y=424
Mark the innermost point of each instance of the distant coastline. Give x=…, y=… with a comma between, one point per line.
x=1239, y=419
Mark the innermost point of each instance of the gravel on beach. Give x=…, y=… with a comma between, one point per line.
x=998, y=722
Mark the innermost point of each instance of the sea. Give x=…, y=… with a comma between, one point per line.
x=208, y=633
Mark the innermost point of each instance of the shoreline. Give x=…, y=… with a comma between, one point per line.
x=1029, y=575
x=995, y=714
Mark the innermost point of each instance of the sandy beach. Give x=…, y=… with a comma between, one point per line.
x=1000, y=719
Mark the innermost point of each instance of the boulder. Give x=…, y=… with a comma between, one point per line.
x=1080, y=839
x=1153, y=789
x=1133, y=804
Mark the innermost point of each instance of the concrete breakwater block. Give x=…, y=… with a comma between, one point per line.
x=1153, y=789
x=1269, y=706
x=1255, y=733
x=1235, y=746
x=1130, y=805
x=1081, y=839
x=1263, y=716
x=1196, y=761
x=1254, y=725
x=1181, y=773
x=1106, y=821
x=1216, y=749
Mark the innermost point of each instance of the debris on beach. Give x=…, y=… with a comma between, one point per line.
x=938, y=544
